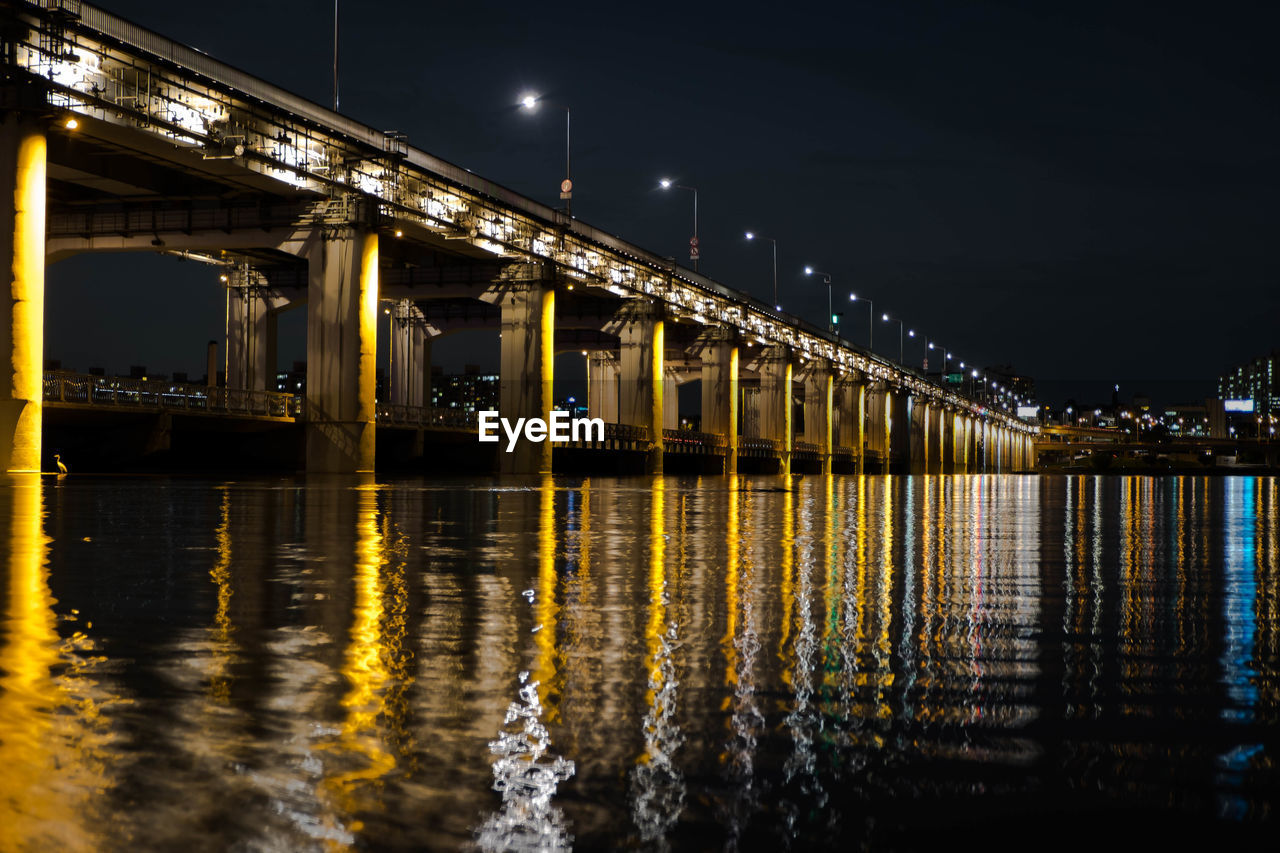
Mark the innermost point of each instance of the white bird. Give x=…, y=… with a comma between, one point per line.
x=62, y=469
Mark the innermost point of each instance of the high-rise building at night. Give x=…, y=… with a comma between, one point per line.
x=469, y=391
x=1254, y=380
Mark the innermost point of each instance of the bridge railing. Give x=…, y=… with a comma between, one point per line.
x=688, y=441
x=426, y=417
x=751, y=445
x=115, y=392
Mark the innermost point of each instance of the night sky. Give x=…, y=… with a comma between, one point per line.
x=1085, y=191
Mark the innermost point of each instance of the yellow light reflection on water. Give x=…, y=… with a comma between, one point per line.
x=220, y=574
x=787, y=583
x=362, y=755
x=657, y=623
x=546, y=610
x=52, y=737
x=732, y=535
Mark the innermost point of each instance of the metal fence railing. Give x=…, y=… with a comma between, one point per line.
x=426, y=417
x=116, y=392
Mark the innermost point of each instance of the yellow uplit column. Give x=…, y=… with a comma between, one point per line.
x=527, y=370
x=22, y=184
x=642, y=339
x=818, y=389
x=342, y=345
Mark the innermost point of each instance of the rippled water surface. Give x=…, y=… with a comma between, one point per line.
x=716, y=663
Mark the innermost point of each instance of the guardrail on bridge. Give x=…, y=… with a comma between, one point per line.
x=115, y=392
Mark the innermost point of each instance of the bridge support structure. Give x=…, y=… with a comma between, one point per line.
x=640, y=388
x=410, y=379
x=342, y=317
x=900, y=429
x=252, y=312
x=719, y=351
x=776, y=370
x=876, y=429
x=818, y=394
x=23, y=164
x=527, y=368
x=918, y=462
x=849, y=393
x=602, y=386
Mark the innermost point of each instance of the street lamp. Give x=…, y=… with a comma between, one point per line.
x=529, y=102
x=751, y=235
x=945, y=355
x=666, y=184
x=924, y=365
x=831, y=318
x=871, y=319
x=886, y=318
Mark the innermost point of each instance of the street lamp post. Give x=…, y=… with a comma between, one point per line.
x=566, y=186
x=871, y=320
x=831, y=318
x=886, y=318
x=924, y=364
x=751, y=235
x=945, y=356
x=694, y=249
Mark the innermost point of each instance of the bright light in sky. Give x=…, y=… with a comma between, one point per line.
x=665, y=183
x=529, y=101
x=808, y=270
x=750, y=236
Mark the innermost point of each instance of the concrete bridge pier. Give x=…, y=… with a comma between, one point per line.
x=920, y=452
x=23, y=161
x=527, y=368
x=410, y=380
x=641, y=392
x=876, y=430
x=946, y=441
x=776, y=370
x=719, y=353
x=342, y=329
x=849, y=396
x=602, y=386
x=938, y=433
x=984, y=456
x=900, y=429
x=818, y=393
x=672, y=379
x=252, y=312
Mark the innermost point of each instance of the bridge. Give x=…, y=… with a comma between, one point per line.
x=115, y=139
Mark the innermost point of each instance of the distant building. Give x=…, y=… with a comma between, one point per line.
x=1254, y=381
x=1013, y=385
x=1187, y=419
x=293, y=381
x=469, y=391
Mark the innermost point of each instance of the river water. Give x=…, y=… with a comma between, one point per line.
x=674, y=663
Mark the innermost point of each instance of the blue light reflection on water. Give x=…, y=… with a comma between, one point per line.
x=303, y=664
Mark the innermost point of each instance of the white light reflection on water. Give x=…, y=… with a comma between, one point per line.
x=527, y=819
x=524, y=774
x=657, y=785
